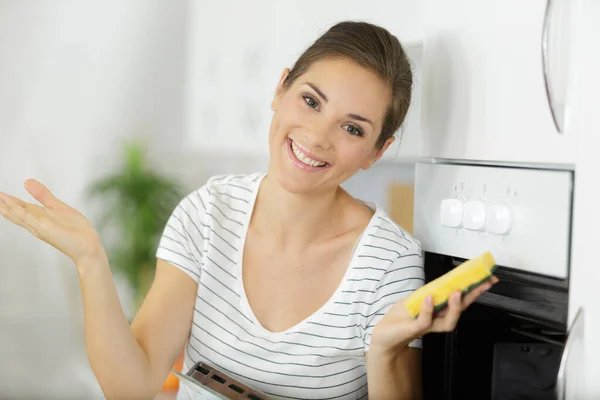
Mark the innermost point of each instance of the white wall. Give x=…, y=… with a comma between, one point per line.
x=584, y=369
x=238, y=50
x=75, y=78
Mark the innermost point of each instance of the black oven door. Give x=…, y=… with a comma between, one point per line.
x=508, y=345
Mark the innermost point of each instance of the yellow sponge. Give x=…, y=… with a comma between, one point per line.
x=463, y=278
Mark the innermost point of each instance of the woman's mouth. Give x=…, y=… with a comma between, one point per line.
x=303, y=160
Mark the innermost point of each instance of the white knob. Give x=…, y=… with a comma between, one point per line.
x=474, y=216
x=451, y=213
x=499, y=220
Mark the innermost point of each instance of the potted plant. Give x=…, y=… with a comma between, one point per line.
x=137, y=201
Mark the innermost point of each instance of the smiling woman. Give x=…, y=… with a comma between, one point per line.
x=281, y=279
x=334, y=114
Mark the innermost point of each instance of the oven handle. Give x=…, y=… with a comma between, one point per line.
x=557, y=114
x=561, y=380
x=545, y=67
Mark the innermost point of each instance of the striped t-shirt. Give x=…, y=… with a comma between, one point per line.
x=322, y=357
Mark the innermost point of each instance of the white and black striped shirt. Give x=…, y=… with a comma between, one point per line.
x=322, y=357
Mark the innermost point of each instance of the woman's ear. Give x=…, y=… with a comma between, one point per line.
x=379, y=153
x=280, y=88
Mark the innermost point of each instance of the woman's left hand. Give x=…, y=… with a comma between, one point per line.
x=398, y=328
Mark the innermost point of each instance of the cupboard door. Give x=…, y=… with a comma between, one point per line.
x=485, y=95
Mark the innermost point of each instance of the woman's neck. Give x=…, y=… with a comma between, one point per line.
x=296, y=220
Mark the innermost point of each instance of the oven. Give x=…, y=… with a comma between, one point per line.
x=510, y=344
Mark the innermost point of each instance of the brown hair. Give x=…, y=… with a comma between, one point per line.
x=374, y=48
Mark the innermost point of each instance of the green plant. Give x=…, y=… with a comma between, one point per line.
x=137, y=200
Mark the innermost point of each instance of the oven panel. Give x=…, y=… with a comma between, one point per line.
x=521, y=215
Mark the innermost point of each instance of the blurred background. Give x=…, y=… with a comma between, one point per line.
x=98, y=96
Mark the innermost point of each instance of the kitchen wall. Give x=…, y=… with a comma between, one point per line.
x=75, y=79
x=238, y=51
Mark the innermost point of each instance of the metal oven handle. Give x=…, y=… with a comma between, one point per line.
x=576, y=330
x=558, y=120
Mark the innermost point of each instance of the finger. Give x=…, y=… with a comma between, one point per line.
x=20, y=213
x=8, y=203
x=425, y=318
x=454, y=310
x=3, y=207
x=7, y=197
x=470, y=297
x=42, y=194
x=448, y=322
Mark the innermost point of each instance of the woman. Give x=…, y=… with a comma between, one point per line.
x=281, y=279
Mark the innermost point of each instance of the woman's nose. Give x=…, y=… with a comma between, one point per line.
x=319, y=136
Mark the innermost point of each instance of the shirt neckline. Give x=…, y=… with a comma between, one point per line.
x=245, y=304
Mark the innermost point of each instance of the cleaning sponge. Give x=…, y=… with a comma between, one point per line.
x=463, y=278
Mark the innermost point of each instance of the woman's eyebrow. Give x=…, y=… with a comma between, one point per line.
x=319, y=91
x=360, y=118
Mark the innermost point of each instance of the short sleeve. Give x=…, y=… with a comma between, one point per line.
x=182, y=240
x=404, y=275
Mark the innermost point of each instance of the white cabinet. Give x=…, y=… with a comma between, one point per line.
x=484, y=95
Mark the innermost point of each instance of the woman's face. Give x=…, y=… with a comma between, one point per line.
x=325, y=125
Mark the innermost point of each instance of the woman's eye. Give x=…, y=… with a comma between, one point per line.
x=353, y=130
x=312, y=103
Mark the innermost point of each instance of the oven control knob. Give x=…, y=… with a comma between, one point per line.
x=451, y=213
x=499, y=219
x=474, y=215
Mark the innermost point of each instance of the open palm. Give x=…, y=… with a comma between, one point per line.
x=54, y=222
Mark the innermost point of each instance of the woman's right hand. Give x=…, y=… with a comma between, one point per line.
x=54, y=222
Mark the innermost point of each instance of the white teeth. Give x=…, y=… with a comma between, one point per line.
x=305, y=159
